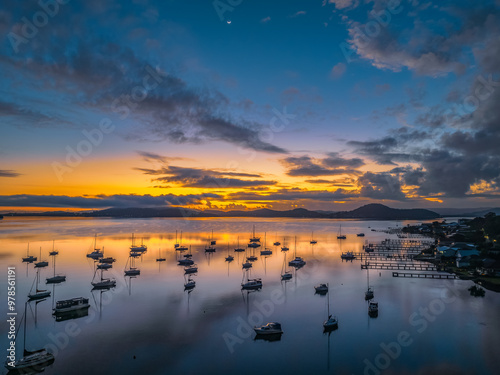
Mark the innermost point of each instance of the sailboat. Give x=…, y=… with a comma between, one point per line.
x=247, y=264
x=285, y=275
x=29, y=258
x=266, y=251
x=284, y=247
x=160, y=259
x=189, y=284
x=54, y=251
x=238, y=248
x=313, y=241
x=138, y=249
x=254, y=238
x=369, y=291
x=97, y=253
x=103, y=283
x=56, y=279
x=298, y=261
x=176, y=243
x=321, y=288
x=39, y=293
x=209, y=248
x=42, y=263
x=340, y=236
x=180, y=247
x=331, y=322
x=132, y=270
x=105, y=263
x=32, y=360
x=212, y=241
x=229, y=257
x=373, y=309
x=250, y=283
x=276, y=243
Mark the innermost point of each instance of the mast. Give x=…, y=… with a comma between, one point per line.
x=328, y=300
x=24, y=333
x=295, y=248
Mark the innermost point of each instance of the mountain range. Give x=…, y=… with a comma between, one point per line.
x=370, y=211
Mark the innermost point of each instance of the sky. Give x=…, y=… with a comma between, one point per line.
x=239, y=104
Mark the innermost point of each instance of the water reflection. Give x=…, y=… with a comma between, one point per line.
x=175, y=322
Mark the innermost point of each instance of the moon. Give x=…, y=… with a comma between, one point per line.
x=229, y=22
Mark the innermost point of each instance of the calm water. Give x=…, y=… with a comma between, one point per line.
x=150, y=325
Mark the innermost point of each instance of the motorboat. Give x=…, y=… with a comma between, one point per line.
x=269, y=329
x=348, y=256
x=373, y=309
x=321, y=288
x=72, y=304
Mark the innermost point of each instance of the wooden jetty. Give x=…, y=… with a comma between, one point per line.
x=386, y=256
x=399, y=266
x=425, y=275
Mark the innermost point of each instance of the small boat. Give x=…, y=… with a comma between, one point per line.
x=247, y=265
x=369, y=248
x=72, y=304
x=266, y=251
x=252, y=258
x=97, y=253
x=39, y=293
x=229, y=257
x=29, y=258
x=54, y=251
x=250, y=284
x=190, y=284
x=185, y=262
x=191, y=269
x=360, y=234
x=42, y=263
x=269, y=329
x=132, y=270
x=56, y=279
x=254, y=245
x=160, y=259
x=104, y=266
x=134, y=254
x=212, y=241
x=284, y=247
x=209, y=248
x=32, y=361
x=239, y=249
x=341, y=236
x=298, y=261
x=348, y=256
x=285, y=275
x=108, y=260
x=373, y=309
x=138, y=248
x=321, y=288
x=179, y=246
x=331, y=322
x=276, y=243
x=103, y=283
x=254, y=238
x=313, y=241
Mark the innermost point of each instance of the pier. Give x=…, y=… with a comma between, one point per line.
x=399, y=266
x=425, y=275
x=386, y=256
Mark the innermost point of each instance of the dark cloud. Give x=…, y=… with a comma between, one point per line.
x=203, y=178
x=417, y=47
x=333, y=164
x=294, y=194
x=101, y=201
x=380, y=186
x=9, y=173
x=100, y=74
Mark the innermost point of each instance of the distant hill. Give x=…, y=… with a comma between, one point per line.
x=381, y=212
x=370, y=211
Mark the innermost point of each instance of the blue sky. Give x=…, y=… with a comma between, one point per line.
x=399, y=85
